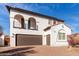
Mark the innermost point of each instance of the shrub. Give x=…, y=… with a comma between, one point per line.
x=73, y=39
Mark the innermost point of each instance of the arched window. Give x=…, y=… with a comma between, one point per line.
x=61, y=34
x=32, y=23
x=18, y=21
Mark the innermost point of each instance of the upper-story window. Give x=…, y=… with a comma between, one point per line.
x=49, y=22
x=18, y=21
x=54, y=22
x=32, y=23
x=57, y=22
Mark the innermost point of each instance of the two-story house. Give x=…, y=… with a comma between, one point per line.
x=31, y=28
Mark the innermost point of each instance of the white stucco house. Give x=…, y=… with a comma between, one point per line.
x=31, y=28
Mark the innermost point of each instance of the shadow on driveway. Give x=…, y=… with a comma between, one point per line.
x=23, y=51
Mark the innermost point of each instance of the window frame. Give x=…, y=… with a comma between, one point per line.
x=60, y=32
x=61, y=36
x=29, y=22
x=22, y=26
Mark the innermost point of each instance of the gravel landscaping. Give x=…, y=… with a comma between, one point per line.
x=38, y=51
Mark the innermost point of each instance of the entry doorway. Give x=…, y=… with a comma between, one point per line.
x=48, y=39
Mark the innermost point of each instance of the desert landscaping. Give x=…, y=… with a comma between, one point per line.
x=38, y=51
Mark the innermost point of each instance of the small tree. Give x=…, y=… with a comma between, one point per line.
x=70, y=39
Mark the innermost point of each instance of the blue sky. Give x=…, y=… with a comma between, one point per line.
x=69, y=12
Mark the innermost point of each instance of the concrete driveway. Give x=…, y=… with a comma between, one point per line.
x=38, y=51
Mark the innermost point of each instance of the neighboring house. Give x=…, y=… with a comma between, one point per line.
x=30, y=28
x=7, y=40
x=1, y=39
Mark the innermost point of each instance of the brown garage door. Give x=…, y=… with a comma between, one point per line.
x=22, y=39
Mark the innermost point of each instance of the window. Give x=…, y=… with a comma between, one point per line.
x=61, y=35
x=49, y=22
x=18, y=21
x=32, y=23
x=54, y=22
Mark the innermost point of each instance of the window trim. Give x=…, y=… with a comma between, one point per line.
x=33, y=29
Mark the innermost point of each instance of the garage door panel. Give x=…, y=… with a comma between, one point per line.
x=29, y=40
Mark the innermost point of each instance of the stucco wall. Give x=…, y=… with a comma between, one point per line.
x=44, y=36
x=54, y=35
x=42, y=24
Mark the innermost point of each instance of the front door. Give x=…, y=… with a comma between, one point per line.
x=48, y=39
